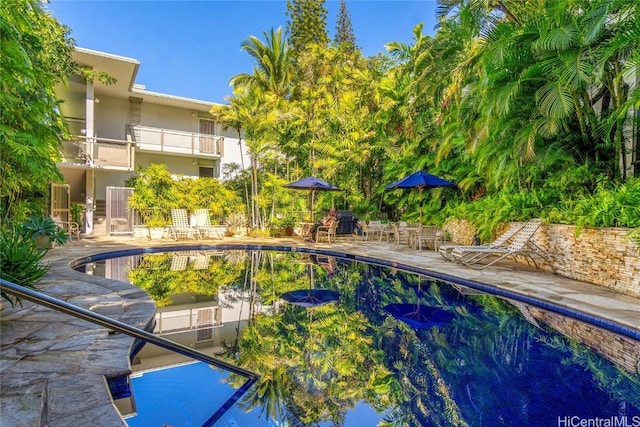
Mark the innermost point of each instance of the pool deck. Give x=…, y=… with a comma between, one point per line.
x=53, y=366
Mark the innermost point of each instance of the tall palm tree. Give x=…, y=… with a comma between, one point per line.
x=254, y=110
x=272, y=64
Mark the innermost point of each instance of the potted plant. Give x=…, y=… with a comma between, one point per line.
x=287, y=223
x=156, y=224
x=43, y=231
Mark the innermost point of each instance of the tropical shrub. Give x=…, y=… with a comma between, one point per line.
x=36, y=227
x=156, y=192
x=20, y=260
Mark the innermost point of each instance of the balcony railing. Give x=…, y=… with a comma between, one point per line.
x=99, y=153
x=175, y=141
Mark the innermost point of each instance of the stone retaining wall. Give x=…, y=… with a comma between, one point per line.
x=602, y=256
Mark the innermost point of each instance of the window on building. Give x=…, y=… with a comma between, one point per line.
x=206, y=172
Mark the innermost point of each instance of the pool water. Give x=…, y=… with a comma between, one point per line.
x=361, y=344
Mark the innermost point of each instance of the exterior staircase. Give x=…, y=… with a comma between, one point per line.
x=100, y=218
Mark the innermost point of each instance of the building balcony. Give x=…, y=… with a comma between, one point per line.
x=170, y=141
x=100, y=153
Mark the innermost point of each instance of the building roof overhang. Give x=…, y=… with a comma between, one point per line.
x=125, y=70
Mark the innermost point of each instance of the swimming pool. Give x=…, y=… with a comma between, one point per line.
x=393, y=345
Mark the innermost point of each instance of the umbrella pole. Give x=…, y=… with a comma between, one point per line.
x=313, y=193
x=420, y=193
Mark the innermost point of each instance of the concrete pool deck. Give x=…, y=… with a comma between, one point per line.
x=53, y=366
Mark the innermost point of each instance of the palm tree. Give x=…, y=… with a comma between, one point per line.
x=272, y=65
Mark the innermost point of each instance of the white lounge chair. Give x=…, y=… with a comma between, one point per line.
x=520, y=245
x=500, y=241
x=203, y=223
x=181, y=226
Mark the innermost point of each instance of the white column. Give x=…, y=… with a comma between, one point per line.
x=89, y=200
x=89, y=178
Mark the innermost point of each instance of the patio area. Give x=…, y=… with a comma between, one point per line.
x=54, y=366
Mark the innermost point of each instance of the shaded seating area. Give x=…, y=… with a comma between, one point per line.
x=180, y=225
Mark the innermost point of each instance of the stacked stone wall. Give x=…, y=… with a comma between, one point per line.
x=602, y=256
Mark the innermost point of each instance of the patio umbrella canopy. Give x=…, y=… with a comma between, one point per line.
x=420, y=180
x=313, y=184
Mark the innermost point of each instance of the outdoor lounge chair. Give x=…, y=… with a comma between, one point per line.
x=500, y=241
x=181, y=226
x=200, y=260
x=203, y=223
x=520, y=245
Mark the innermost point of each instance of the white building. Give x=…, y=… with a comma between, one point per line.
x=116, y=127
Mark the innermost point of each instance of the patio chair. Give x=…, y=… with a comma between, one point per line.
x=329, y=231
x=70, y=227
x=181, y=226
x=400, y=234
x=520, y=245
x=372, y=228
x=500, y=241
x=206, y=229
x=430, y=235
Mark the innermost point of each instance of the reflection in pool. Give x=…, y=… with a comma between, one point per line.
x=391, y=347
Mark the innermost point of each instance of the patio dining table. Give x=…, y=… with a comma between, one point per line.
x=413, y=238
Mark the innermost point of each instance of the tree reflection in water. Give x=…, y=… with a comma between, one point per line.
x=486, y=366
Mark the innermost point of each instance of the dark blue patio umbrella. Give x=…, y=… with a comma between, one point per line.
x=314, y=184
x=419, y=316
x=420, y=180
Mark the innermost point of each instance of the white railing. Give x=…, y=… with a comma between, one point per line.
x=175, y=141
x=99, y=153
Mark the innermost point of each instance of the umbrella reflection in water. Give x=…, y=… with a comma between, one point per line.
x=310, y=297
x=419, y=316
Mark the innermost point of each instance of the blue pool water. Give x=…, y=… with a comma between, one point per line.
x=374, y=344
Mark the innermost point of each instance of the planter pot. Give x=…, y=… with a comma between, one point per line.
x=156, y=233
x=140, y=232
x=287, y=231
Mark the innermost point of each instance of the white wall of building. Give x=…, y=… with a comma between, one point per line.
x=111, y=116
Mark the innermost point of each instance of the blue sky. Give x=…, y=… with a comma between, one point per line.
x=192, y=48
